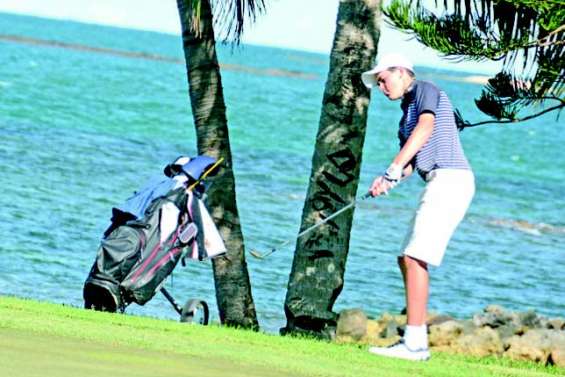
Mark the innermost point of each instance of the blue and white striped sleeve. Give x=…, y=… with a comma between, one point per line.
x=427, y=98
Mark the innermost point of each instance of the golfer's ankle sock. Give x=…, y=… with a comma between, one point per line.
x=416, y=337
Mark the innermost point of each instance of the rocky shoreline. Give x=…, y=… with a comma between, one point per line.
x=495, y=331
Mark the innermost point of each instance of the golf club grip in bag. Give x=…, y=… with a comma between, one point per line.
x=133, y=261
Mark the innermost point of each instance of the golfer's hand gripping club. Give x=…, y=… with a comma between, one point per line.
x=259, y=255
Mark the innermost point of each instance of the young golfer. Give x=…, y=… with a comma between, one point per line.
x=429, y=144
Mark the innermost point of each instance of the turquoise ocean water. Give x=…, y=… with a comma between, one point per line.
x=81, y=130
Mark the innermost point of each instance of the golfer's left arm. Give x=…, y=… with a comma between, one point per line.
x=400, y=167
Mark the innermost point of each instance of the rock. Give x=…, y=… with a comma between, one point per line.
x=509, y=330
x=386, y=326
x=495, y=309
x=557, y=357
x=385, y=330
x=482, y=342
x=390, y=329
x=468, y=326
x=437, y=319
x=400, y=319
x=385, y=317
x=352, y=323
x=495, y=316
x=495, y=331
x=556, y=324
x=374, y=328
x=530, y=319
x=492, y=316
x=519, y=348
x=557, y=345
x=536, y=345
x=445, y=334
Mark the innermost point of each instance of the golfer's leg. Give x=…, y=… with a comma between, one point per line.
x=417, y=287
x=402, y=267
x=414, y=345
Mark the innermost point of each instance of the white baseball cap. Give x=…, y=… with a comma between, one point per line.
x=386, y=62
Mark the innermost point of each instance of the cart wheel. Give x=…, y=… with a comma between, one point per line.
x=195, y=311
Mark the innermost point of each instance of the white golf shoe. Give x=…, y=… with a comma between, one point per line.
x=401, y=351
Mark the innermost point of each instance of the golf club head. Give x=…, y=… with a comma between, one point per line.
x=259, y=255
x=256, y=254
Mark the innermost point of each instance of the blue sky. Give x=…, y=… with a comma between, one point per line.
x=298, y=24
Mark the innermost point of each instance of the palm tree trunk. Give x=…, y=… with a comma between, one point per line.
x=231, y=277
x=318, y=268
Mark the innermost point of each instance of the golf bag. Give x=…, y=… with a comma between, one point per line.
x=159, y=226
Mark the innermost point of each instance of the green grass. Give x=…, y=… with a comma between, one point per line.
x=43, y=339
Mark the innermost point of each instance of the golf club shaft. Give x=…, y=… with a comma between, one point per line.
x=352, y=204
x=327, y=219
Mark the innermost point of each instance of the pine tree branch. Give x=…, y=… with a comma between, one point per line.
x=517, y=120
x=450, y=34
x=545, y=41
x=527, y=35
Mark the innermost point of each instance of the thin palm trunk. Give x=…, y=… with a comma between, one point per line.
x=318, y=268
x=231, y=277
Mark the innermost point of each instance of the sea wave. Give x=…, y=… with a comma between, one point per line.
x=536, y=229
x=156, y=57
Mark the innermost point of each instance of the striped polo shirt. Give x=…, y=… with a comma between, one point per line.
x=443, y=149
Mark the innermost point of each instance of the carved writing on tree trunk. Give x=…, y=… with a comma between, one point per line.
x=340, y=174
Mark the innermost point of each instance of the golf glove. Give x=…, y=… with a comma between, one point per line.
x=393, y=175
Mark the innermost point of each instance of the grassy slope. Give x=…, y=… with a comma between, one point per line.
x=42, y=339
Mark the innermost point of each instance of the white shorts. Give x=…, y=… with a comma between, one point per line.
x=443, y=204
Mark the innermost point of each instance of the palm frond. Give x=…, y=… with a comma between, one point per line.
x=230, y=17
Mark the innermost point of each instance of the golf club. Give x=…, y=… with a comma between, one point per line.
x=259, y=255
x=210, y=169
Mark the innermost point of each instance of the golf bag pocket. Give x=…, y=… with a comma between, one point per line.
x=119, y=251
x=115, y=257
x=188, y=233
